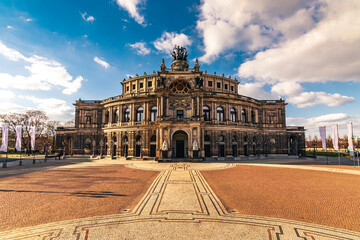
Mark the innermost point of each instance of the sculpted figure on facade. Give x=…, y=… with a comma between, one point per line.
x=195, y=146
x=165, y=146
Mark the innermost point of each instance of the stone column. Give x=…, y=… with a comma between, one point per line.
x=161, y=106
x=131, y=150
x=145, y=144
x=158, y=107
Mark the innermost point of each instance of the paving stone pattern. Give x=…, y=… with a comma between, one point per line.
x=179, y=205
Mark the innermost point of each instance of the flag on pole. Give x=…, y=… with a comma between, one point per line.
x=18, y=138
x=322, y=131
x=33, y=138
x=335, y=137
x=350, y=137
x=5, y=137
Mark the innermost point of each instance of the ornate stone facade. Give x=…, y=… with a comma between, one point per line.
x=181, y=108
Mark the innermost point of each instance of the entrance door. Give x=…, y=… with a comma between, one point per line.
x=138, y=150
x=221, y=150
x=152, y=150
x=207, y=150
x=234, y=148
x=179, y=144
x=180, y=149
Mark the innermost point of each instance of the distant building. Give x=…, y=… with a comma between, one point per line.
x=185, y=111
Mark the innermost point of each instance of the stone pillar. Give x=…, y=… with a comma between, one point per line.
x=145, y=144
x=158, y=107
x=161, y=106
x=193, y=113
x=197, y=105
x=131, y=144
x=167, y=106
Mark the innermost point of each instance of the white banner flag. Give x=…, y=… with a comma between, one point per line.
x=335, y=137
x=18, y=138
x=33, y=138
x=350, y=137
x=322, y=131
x=5, y=137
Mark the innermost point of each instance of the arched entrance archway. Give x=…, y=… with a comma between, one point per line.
x=293, y=146
x=180, y=144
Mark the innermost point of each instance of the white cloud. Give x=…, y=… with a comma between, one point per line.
x=44, y=74
x=249, y=25
x=101, y=62
x=132, y=7
x=6, y=95
x=56, y=109
x=26, y=19
x=309, y=99
x=140, y=48
x=328, y=52
x=87, y=18
x=168, y=40
x=255, y=90
x=9, y=27
x=287, y=89
x=312, y=124
x=11, y=54
x=9, y=107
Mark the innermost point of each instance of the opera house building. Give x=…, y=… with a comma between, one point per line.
x=181, y=113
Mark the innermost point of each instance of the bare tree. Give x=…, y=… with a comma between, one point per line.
x=27, y=120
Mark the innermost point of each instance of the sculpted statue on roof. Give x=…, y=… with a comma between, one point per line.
x=179, y=53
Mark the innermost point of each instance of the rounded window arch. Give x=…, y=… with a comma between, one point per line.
x=140, y=114
x=243, y=116
x=127, y=115
x=115, y=116
x=220, y=114
x=153, y=138
x=107, y=117
x=125, y=139
x=232, y=114
x=206, y=111
x=180, y=86
x=138, y=138
x=153, y=113
x=253, y=119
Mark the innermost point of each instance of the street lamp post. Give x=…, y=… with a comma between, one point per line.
x=314, y=143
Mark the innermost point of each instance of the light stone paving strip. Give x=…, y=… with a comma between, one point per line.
x=179, y=205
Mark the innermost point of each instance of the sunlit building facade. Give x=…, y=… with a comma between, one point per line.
x=185, y=112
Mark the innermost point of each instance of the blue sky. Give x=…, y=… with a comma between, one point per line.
x=54, y=52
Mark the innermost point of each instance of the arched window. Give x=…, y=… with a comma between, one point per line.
x=107, y=117
x=153, y=113
x=138, y=138
x=127, y=115
x=232, y=115
x=252, y=116
x=140, y=114
x=243, y=116
x=126, y=139
x=220, y=114
x=153, y=138
x=206, y=111
x=206, y=138
x=115, y=116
